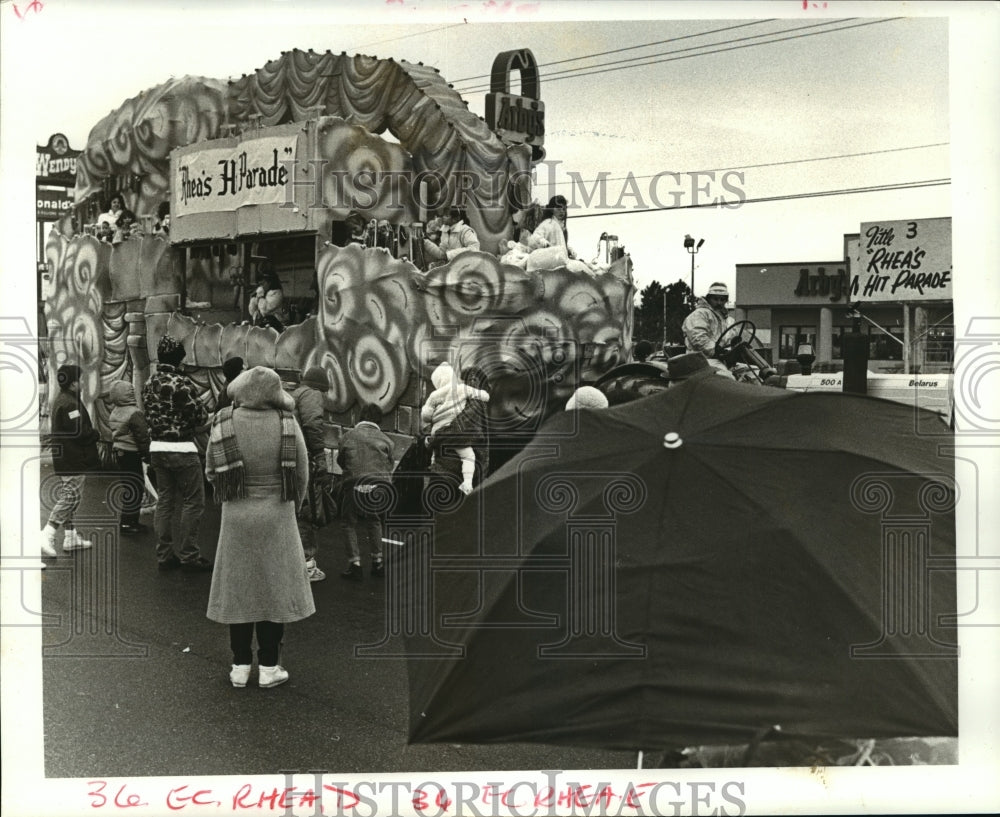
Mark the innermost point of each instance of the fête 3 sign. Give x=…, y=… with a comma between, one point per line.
x=903, y=261
x=223, y=179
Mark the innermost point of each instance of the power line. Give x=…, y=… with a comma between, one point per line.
x=571, y=71
x=585, y=73
x=755, y=166
x=632, y=48
x=786, y=197
x=406, y=36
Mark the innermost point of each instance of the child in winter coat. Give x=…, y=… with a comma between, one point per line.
x=452, y=432
x=130, y=446
x=448, y=399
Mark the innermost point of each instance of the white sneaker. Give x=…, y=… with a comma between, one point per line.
x=272, y=676
x=73, y=541
x=239, y=675
x=49, y=542
x=313, y=571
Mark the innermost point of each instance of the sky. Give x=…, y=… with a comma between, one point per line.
x=872, y=88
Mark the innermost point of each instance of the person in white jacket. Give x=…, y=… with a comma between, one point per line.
x=552, y=230
x=456, y=237
x=441, y=410
x=448, y=399
x=707, y=322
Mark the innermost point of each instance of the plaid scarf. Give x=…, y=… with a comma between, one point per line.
x=225, y=461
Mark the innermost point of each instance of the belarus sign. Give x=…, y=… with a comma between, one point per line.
x=56, y=162
x=517, y=120
x=225, y=179
x=903, y=261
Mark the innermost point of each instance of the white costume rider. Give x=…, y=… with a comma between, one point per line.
x=456, y=237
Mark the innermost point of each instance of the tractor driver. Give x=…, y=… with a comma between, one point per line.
x=707, y=322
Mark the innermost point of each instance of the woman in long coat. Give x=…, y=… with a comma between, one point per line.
x=257, y=462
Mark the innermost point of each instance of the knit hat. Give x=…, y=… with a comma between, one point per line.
x=67, y=374
x=687, y=365
x=232, y=368
x=316, y=378
x=260, y=387
x=718, y=289
x=170, y=350
x=587, y=397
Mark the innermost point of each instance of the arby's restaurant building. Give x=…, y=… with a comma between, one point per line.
x=894, y=277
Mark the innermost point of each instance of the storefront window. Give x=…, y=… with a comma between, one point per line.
x=883, y=347
x=791, y=337
x=940, y=344
x=837, y=342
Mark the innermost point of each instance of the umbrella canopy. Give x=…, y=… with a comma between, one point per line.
x=696, y=567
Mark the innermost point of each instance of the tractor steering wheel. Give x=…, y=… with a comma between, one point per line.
x=734, y=335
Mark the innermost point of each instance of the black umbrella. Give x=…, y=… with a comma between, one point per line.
x=693, y=568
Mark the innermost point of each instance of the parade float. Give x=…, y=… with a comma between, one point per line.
x=265, y=176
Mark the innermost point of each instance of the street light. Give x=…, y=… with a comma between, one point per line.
x=692, y=249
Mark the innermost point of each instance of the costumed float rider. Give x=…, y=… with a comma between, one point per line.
x=266, y=304
x=456, y=237
x=703, y=327
x=115, y=225
x=552, y=231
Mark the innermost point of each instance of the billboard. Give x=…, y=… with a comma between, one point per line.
x=903, y=261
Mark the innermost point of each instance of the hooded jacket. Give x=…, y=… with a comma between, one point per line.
x=703, y=327
x=448, y=399
x=129, y=431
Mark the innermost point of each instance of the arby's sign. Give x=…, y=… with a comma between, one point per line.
x=517, y=119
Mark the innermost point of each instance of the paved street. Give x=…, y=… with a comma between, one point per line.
x=136, y=678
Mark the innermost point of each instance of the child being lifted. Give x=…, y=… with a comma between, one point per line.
x=454, y=430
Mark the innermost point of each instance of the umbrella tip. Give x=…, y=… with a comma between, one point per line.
x=672, y=440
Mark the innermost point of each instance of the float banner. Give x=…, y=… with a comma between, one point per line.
x=225, y=179
x=903, y=261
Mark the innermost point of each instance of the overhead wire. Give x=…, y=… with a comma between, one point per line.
x=406, y=36
x=588, y=68
x=762, y=199
x=603, y=69
x=632, y=47
x=753, y=166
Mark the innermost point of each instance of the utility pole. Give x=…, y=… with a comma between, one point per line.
x=692, y=248
x=664, y=319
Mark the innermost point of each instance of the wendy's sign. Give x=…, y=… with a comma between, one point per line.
x=903, y=261
x=517, y=120
x=56, y=162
